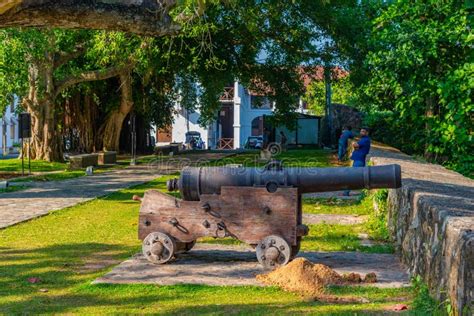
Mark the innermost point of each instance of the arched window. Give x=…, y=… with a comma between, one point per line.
x=257, y=126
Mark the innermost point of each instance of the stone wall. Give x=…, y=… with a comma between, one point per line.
x=432, y=222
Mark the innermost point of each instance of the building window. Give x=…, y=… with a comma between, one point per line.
x=260, y=102
x=12, y=131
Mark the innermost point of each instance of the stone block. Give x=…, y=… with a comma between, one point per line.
x=107, y=158
x=83, y=161
x=431, y=219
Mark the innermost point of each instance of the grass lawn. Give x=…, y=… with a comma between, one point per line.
x=290, y=158
x=62, y=173
x=361, y=206
x=14, y=165
x=69, y=248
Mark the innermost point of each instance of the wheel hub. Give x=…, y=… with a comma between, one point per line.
x=158, y=247
x=273, y=251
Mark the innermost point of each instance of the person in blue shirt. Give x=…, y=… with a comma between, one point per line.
x=343, y=139
x=361, y=150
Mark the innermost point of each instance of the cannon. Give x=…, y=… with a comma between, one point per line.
x=258, y=206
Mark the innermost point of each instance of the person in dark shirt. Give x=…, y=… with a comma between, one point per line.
x=361, y=150
x=343, y=139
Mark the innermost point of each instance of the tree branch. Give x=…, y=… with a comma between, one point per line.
x=89, y=76
x=63, y=58
x=139, y=17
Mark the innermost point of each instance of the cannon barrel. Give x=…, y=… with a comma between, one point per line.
x=195, y=181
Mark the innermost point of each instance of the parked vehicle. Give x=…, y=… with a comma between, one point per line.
x=194, y=140
x=254, y=142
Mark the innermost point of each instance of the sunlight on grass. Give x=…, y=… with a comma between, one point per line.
x=361, y=206
x=59, y=248
x=14, y=165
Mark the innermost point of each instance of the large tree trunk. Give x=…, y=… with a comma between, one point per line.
x=45, y=139
x=113, y=126
x=79, y=122
x=145, y=17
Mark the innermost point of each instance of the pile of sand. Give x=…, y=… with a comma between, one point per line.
x=302, y=276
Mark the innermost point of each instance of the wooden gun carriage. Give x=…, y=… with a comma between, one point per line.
x=261, y=207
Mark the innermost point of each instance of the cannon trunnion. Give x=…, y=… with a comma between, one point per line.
x=261, y=207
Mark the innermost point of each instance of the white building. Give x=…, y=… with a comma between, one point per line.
x=242, y=114
x=9, y=129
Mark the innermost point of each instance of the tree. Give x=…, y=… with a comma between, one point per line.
x=421, y=71
x=342, y=92
x=37, y=66
x=215, y=46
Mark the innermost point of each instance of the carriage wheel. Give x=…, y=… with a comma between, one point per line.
x=159, y=247
x=273, y=251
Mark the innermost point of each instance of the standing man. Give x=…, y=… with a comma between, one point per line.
x=361, y=150
x=343, y=139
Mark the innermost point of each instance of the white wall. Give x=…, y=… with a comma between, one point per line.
x=247, y=114
x=9, y=124
x=243, y=116
x=180, y=127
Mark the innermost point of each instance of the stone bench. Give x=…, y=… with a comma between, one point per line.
x=107, y=158
x=83, y=161
x=167, y=149
x=431, y=219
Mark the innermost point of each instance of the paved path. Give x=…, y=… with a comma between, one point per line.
x=213, y=264
x=43, y=197
x=334, y=219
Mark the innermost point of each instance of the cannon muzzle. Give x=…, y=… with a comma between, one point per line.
x=195, y=181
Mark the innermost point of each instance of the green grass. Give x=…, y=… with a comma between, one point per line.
x=63, y=248
x=66, y=174
x=361, y=206
x=14, y=165
x=13, y=188
x=335, y=237
x=290, y=158
x=59, y=247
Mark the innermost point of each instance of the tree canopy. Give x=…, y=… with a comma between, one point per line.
x=410, y=66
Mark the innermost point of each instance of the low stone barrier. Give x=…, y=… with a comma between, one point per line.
x=107, y=157
x=431, y=219
x=167, y=149
x=83, y=161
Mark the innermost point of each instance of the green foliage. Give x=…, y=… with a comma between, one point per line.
x=19, y=49
x=342, y=92
x=377, y=224
x=421, y=79
x=425, y=304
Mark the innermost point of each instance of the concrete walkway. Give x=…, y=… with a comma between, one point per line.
x=43, y=197
x=237, y=265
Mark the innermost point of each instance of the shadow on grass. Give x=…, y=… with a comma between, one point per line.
x=56, y=266
x=65, y=271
